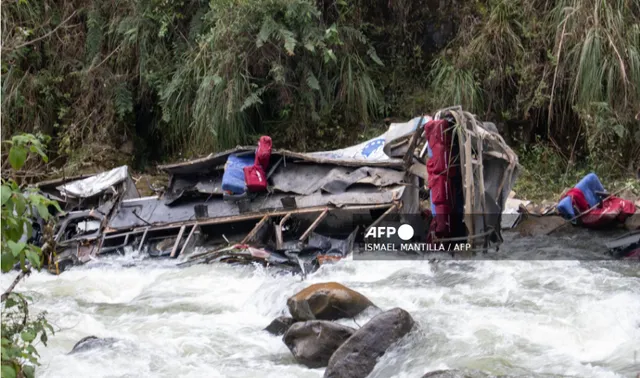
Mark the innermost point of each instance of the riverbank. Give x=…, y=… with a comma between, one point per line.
x=546, y=174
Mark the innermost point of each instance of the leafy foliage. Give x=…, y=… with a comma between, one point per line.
x=568, y=68
x=20, y=333
x=19, y=208
x=270, y=62
x=180, y=78
x=191, y=76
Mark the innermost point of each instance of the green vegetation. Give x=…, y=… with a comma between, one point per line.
x=567, y=70
x=546, y=175
x=140, y=81
x=191, y=76
x=274, y=60
x=20, y=331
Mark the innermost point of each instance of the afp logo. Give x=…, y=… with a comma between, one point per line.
x=404, y=232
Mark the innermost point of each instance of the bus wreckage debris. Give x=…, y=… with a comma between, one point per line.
x=258, y=204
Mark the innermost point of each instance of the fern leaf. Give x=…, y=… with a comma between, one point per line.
x=312, y=81
x=93, y=42
x=277, y=73
x=252, y=100
x=123, y=100
x=374, y=56
x=196, y=24
x=309, y=46
x=266, y=31
x=289, y=41
x=128, y=28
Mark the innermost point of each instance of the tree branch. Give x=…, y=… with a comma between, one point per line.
x=44, y=36
x=20, y=276
x=104, y=60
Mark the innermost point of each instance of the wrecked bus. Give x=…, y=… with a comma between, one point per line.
x=452, y=170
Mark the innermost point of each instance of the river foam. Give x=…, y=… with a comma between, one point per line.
x=569, y=318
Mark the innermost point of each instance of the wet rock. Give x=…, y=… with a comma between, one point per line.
x=313, y=342
x=633, y=222
x=541, y=208
x=539, y=226
x=92, y=342
x=280, y=325
x=327, y=301
x=357, y=357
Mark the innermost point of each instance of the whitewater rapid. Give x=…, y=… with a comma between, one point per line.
x=569, y=318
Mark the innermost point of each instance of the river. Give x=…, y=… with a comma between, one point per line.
x=536, y=318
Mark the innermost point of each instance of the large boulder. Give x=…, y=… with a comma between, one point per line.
x=92, y=342
x=280, y=325
x=357, y=357
x=327, y=301
x=313, y=342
